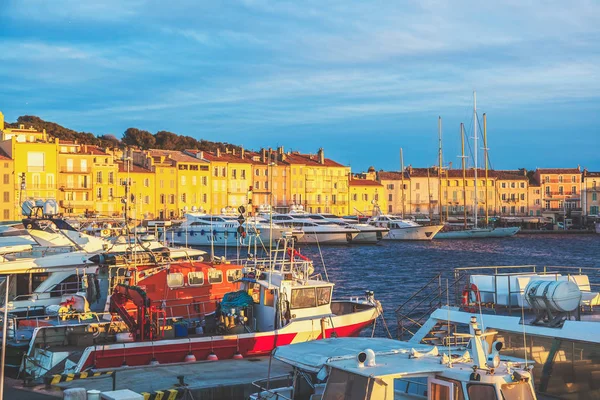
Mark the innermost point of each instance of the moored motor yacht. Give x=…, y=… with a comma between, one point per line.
x=402, y=229
x=200, y=229
x=368, y=234
x=478, y=233
x=316, y=231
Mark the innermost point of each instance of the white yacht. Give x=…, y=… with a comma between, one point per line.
x=402, y=229
x=545, y=314
x=368, y=234
x=200, y=229
x=316, y=231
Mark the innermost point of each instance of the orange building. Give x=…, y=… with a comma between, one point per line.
x=561, y=191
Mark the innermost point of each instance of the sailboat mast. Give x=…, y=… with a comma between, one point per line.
x=485, y=157
x=475, y=149
x=440, y=167
x=464, y=173
x=402, y=172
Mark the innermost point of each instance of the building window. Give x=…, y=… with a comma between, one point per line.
x=390, y=186
x=146, y=182
x=560, y=179
x=216, y=171
x=234, y=174
x=522, y=185
x=503, y=209
x=224, y=171
x=573, y=189
x=522, y=209
x=193, y=181
x=547, y=189
x=146, y=199
x=6, y=179
x=560, y=190
x=6, y=214
x=99, y=177
x=99, y=193
x=243, y=174
x=503, y=196
x=183, y=197
x=390, y=197
x=171, y=199
x=417, y=186
x=257, y=172
x=110, y=193
x=162, y=199
x=365, y=197
x=522, y=196
x=537, y=202
x=111, y=177
x=547, y=179
x=573, y=179
x=183, y=181
x=512, y=185
x=355, y=197
x=594, y=196
x=204, y=198
x=6, y=197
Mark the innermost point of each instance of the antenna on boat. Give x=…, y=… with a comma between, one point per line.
x=475, y=153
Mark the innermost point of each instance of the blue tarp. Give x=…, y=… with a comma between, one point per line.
x=239, y=299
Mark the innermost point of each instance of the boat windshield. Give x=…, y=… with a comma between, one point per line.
x=346, y=385
x=516, y=391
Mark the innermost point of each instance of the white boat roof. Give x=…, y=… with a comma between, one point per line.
x=311, y=356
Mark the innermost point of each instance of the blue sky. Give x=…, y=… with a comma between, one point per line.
x=360, y=79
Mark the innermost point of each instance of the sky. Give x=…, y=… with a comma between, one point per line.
x=360, y=79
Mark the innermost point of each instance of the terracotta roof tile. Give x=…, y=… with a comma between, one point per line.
x=392, y=175
x=558, y=170
x=4, y=156
x=132, y=168
x=363, y=182
x=177, y=156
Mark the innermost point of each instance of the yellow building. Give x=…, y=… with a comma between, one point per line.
x=325, y=182
x=75, y=171
x=591, y=193
x=422, y=198
x=35, y=160
x=217, y=181
x=142, y=185
x=105, y=181
x=512, y=192
x=534, y=197
x=8, y=189
x=366, y=196
x=394, y=192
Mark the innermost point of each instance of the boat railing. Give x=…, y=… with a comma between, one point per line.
x=265, y=386
x=54, y=320
x=412, y=314
x=503, y=285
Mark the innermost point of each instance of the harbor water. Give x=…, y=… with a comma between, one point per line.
x=394, y=270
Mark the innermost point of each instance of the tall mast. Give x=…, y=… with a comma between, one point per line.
x=464, y=173
x=475, y=149
x=440, y=166
x=485, y=157
x=429, y=195
x=402, y=172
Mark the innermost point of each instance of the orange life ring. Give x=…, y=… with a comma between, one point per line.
x=471, y=298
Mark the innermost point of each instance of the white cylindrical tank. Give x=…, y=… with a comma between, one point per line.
x=27, y=207
x=50, y=207
x=558, y=296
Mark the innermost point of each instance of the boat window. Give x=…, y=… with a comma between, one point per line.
x=268, y=297
x=175, y=280
x=516, y=391
x=196, y=278
x=234, y=275
x=68, y=285
x=303, y=298
x=458, y=392
x=480, y=391
x=215, y=276
x=345, y=385
x=323, y=295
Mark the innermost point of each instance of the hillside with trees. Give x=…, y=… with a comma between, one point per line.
x=131, y=137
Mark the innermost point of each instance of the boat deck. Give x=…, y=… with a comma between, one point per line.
x=221, y=379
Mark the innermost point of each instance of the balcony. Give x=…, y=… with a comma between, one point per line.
x=67, y=188
x=77, y=203
x=68, y=170
x=30, y=186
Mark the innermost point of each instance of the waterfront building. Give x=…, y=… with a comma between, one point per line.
x=8, y=188
x=459, y=193
x=591, y=194
x=561, y=192
x=534, y=196
x=512, y=189
x=105, y=182
x=141, y=181
x=366, y=196
x=80, y=180
x=271, y=179
x=423, y=196
x=394, y=192
x=325, y=182
x=34, y=167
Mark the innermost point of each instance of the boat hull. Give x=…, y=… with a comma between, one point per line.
x=413, y=233
x=247, y=344
x=327, y=237
x=223, y=237
x=479, y=233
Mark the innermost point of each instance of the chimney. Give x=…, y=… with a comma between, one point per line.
x=263, y=155
x=321, y=155
x=200, y=155
x=233, y=151
x=270, y=155
x=218, y=152
x=280, y=150
x=243, y=152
